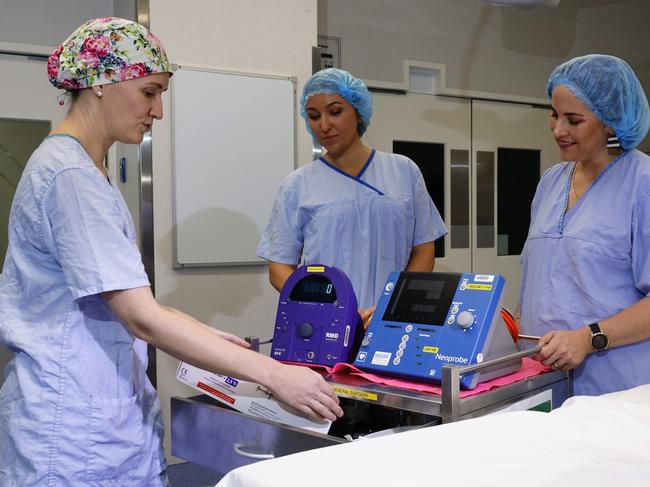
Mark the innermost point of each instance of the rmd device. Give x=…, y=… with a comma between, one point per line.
x=317, y=320
x=425, y=320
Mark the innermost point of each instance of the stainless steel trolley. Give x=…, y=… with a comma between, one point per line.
x=209, y=434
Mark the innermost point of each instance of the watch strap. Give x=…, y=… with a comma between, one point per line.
x=595, y=328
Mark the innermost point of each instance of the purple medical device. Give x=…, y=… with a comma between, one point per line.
x=318, y=321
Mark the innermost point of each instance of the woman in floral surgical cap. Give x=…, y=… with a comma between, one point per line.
x=76, y=407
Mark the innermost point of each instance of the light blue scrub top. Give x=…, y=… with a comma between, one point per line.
x=364, y=225
x=590, y=263
x=76, y=407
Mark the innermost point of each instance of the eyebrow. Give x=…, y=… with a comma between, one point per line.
x=569, y=114
x=157, y=85
x=327, y=106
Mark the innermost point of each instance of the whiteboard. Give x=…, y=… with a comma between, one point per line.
x=233, y=142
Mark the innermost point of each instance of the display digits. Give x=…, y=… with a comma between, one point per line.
x=315, y=288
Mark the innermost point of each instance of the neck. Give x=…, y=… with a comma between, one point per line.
x=80, y=124
x=352, y=160
x=593, y=167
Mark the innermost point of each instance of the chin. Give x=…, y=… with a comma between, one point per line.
x=568, y=155
x=132, y=139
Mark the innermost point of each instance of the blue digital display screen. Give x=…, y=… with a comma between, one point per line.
x=314, y=288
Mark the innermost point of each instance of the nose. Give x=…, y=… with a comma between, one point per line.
x=558, y=129
x=157, y=108
x=325, y=124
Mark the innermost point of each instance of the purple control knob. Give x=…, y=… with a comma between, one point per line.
x=306, y=330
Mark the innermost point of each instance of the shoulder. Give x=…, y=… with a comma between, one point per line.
x=554, y=174
x=56, y=156
x=301, y=175
x=557, y=169
x=637, y=163
x=298, y=182
x=636, y=167
x=396, y=166
x=396, y=161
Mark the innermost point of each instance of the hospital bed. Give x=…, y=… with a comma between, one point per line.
x=589, y=441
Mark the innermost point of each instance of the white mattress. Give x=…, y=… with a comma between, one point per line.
x=589, y=441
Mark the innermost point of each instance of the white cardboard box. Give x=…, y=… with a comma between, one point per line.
x=246, y=397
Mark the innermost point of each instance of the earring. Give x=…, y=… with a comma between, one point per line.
x=612, y=140
x=99, y=93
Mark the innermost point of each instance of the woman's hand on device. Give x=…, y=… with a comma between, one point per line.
x=366, y=315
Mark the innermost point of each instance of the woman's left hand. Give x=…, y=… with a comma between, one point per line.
x=564, y=350
x=366, y=316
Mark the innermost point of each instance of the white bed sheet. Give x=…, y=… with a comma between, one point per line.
x=589, y=441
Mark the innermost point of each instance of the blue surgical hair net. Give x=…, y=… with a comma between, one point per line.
x=339, y=82
x=610, y=89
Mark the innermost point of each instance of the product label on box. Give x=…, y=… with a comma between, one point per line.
x=245, y=397
x=214, y=392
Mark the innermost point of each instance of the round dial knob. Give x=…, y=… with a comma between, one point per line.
x=306, y=330
x=465, y=319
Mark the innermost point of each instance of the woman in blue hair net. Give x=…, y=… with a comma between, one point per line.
x=586, y=262
x=364, y=211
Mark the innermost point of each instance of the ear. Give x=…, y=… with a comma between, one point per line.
x=612, y=139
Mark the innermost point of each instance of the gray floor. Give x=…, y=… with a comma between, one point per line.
x=191, y=475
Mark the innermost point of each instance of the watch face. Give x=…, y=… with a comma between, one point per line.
x=599, y=341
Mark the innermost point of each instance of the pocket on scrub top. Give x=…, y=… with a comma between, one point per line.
x=116, y=438
x=334, y=230
x=393, y=228
x=602, y=262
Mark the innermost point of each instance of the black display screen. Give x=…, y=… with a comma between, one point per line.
x=315, y=288
x=422, y=297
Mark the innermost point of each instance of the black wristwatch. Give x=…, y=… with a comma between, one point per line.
x=599, y=340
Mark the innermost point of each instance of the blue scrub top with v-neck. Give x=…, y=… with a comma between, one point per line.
x=589, y=263
x=365, y=225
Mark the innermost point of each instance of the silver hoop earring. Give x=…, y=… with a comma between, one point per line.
x=99, y=93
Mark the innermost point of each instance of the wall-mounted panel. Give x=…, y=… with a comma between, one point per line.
x=233, y=137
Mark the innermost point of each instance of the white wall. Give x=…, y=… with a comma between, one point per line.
x=503, y=50
x=47, y=23
x=486, y=48
x=258, y=36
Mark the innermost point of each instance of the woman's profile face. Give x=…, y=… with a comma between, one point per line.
x=333, y=121
x=577, y=131
x=131, y=106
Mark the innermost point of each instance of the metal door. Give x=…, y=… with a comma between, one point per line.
x=511, y=147
x=493, y=154
x=435, y=132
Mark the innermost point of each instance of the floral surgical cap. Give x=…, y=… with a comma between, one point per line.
x=103, y=51
x=610, y=90
x=339, y=82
